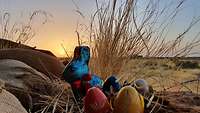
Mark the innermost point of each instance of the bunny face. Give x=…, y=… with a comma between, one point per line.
x=82, y=53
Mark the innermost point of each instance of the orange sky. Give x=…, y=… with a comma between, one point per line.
x=62, y=31
x=61, y=28
x=52, y=35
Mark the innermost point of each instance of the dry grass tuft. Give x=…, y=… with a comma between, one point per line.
x=19, y=32
x=41, y=93
x=122, y=30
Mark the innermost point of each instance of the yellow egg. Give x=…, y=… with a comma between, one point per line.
x=128, y=100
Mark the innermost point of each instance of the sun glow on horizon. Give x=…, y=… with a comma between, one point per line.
x=61, y=29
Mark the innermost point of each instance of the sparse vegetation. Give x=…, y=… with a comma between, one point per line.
x=188, y=64
x=118, y=36
x=121, y=30
x=19, y=32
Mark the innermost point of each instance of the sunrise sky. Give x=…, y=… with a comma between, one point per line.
x=61, y=28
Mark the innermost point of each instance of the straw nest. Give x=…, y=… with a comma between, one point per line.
x=36, y=91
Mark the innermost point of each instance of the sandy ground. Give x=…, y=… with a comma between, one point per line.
x=162, y=75
x=179, y=87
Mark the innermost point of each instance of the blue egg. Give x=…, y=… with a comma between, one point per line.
x=96, y=81
x=111, y=81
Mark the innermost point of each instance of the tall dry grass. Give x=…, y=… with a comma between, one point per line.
x=20, y=32
x=121, y=30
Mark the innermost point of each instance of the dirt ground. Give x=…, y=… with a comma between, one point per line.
x=180, y=87
x=180, y=102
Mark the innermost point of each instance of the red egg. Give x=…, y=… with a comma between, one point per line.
x=96, y=102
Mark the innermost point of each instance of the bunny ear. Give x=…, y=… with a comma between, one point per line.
x=77, y=52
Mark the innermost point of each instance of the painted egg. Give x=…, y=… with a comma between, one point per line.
x=128, y=100
x=111, y=82
x=96, y=102
x=141, y=86
x=96, y=81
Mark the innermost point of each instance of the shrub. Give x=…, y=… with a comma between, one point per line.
x=187, y=64
x=120, y=30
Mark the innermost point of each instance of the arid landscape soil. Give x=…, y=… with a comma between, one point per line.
x=175, y=84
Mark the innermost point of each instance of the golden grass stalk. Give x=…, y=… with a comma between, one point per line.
x=120, y=31
x=18, y=32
